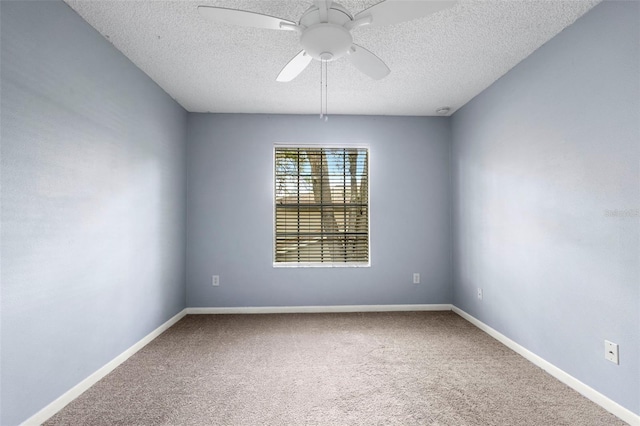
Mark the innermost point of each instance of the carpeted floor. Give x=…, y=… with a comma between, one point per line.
x=401, y=368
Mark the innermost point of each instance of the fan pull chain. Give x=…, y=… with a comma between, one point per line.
x=326, y=92
x=323, y=90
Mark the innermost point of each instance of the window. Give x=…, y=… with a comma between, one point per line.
x=321, y=206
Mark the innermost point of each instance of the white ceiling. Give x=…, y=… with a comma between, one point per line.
x=442, y=60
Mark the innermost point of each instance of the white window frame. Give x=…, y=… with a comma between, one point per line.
x=273, y=209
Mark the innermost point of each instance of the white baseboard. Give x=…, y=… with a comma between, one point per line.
x=57, y=405
x=317, y=309
x=587, y=391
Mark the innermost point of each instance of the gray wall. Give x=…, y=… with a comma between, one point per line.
x=230, y=212
x=93, y=175
x=541, y=159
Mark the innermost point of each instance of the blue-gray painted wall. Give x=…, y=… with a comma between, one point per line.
x=230, y=212
x=544, y=160
x=93, y=204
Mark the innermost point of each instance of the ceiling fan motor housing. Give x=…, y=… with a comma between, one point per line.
x=326, y=41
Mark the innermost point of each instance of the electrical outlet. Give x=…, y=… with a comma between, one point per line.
x=611, y=352
x=215, y=280
x=416, y=278
x=479, y=294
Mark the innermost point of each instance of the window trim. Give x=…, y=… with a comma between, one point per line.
x=332, y=145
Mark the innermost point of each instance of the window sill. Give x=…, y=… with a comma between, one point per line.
x=322, y=265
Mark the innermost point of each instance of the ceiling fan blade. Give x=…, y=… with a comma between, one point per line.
x=395, y=11
x=294, y=67
x=244, y=18
x=368, y=63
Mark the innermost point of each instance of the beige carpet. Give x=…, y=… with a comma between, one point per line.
x=416, y=368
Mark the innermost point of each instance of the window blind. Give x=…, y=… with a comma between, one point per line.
x=321, y=205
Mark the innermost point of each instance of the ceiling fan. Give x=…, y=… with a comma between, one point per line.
x=325, y=30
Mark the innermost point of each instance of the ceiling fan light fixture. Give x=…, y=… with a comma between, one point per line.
x=325, y=38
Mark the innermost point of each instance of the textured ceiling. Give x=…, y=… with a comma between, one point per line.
x=442, y=60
